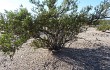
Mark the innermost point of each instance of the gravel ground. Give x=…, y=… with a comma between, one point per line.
x=90, y=52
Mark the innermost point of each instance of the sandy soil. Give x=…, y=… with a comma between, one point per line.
x=90, y=52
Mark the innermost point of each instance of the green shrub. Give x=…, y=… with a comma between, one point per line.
x=38, y=43
x=14, y=30
x=103, y=26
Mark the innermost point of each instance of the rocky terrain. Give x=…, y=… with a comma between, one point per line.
x=90, y=52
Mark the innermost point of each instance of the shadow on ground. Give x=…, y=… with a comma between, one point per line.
x=86, y=59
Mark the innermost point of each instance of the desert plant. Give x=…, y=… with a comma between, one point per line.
x=14, y=29
x=104, y=25
x=55, y=24
x=100, y=12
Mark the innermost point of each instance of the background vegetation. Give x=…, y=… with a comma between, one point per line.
x=104, y=25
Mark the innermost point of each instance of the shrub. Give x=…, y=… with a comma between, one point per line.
x=14, y=27
x=103, y=26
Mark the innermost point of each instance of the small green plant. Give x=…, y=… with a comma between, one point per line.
x=9, y=43
x=38, y=43
x=103, y=26
x=14, y=30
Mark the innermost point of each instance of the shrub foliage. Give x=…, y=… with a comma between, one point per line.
x=104, y=25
